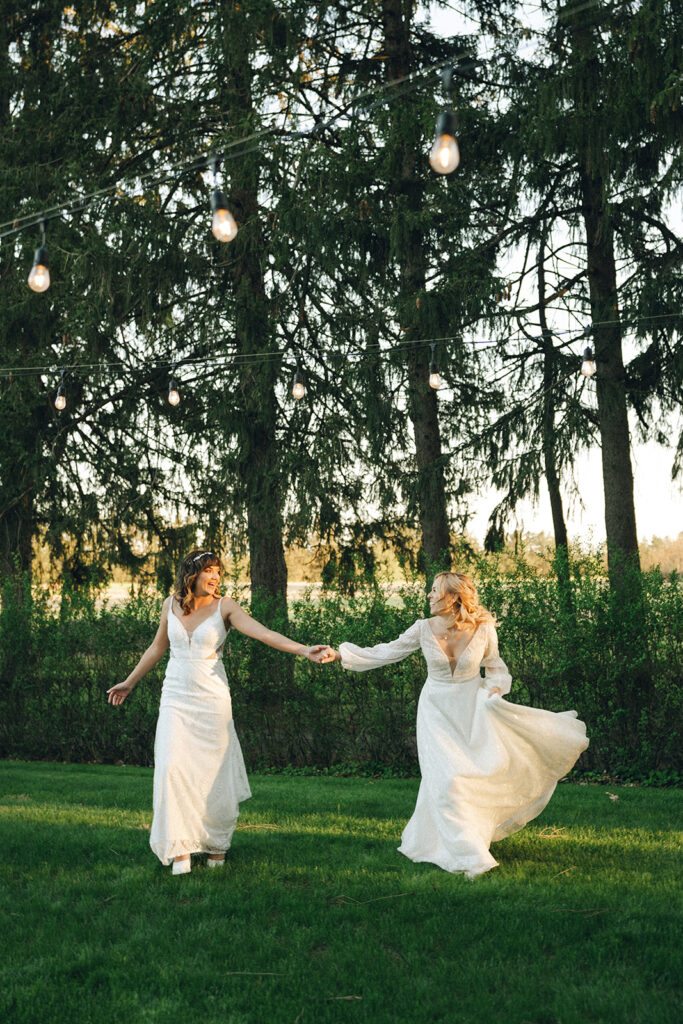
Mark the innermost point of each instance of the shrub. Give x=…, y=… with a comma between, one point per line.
x=619, y=665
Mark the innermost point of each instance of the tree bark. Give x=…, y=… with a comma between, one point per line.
x=552, y=476
x=422, y=402
x=610, y=382
x=629, y=610
x=259, y=465
x=617, y=472
x=260, y=470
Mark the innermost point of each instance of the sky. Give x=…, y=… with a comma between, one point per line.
x=658, y=501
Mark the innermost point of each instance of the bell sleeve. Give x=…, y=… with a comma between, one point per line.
x=495, y=669
x=361, y=659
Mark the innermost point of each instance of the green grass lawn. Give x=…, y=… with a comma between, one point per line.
x=317, y=918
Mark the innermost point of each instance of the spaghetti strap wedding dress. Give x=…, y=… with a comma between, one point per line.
x=199, y=773
x=488, y=766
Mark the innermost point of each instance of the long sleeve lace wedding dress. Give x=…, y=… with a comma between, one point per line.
x=488, y=766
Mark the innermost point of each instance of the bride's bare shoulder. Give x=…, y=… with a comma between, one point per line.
x=228, y=606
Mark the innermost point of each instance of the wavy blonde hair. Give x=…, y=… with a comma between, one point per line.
x=193, y=563
x=459, y=600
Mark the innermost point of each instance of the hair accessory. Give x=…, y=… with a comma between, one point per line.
x=203, y=555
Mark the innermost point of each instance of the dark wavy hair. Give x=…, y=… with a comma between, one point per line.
x=193, y=563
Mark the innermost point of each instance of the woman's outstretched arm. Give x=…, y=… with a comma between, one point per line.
x=153, y=654
x=240, y=620
x=361, y=659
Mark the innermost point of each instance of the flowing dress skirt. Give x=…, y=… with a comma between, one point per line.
x=488, y=767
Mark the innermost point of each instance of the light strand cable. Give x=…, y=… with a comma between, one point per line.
x=384, y=348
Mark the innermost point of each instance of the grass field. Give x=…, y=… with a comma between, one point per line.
x=316, y=918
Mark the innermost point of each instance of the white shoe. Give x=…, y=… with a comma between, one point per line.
x=181, y=867
x=215, y=863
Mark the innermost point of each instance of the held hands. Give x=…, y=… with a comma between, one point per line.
x=322, y=654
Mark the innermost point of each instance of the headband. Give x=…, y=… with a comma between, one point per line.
x=203, y=555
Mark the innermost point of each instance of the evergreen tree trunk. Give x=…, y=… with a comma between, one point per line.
x=17, y=494
x=422, y=404
x=620, y=516
x=259, y=456
x=259, y=460
x=552, y=476
x=617, y=473
x=629, y=612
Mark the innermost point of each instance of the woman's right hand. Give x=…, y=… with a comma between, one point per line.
x=328, y=655
x=118, y=693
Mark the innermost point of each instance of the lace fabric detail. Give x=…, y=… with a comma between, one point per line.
x=488, y=766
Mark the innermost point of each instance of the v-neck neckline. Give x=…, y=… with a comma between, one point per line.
x=460, y=656
x=186, y=631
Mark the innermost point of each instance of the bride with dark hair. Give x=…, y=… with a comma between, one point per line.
x=199, y=773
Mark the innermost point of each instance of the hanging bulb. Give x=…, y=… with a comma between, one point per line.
x=223, y=224
x=434, y=375
x=298, y=389
x=173, y=394
x=588, y=365
x=39, y=277
x=444, y=155
x=60, y=400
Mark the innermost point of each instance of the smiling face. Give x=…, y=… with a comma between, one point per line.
x=207, y=582
x=438, y=605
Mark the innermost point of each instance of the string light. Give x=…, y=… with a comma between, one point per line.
x=223, y=223
x=588, y=365
x=434, y=376
x=39, y=276
x=173, y=394
x=60, y=399
x=12, y=373
x=444, y=155
x=298, y=389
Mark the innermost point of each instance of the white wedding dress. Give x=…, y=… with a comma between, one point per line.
x=488, y=766
x=199, y=772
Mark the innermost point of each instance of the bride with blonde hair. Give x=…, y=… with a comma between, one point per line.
x=488, y=766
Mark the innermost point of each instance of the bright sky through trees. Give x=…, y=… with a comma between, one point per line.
x=658, y=499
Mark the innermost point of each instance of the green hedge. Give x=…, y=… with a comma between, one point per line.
x=620, y=667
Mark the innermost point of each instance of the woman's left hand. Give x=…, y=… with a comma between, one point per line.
x=318, y=654
x=492, y=691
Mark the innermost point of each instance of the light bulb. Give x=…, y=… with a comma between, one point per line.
x=223, y=224
x=39, y=277
x=588, y=365
x=435, y=380
x=60, y=400
x=298, y=390
x=444, y=156
x=174, y=396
